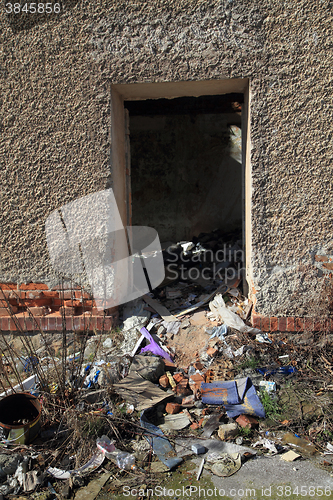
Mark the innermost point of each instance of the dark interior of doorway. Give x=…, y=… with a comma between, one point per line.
x=186, y=174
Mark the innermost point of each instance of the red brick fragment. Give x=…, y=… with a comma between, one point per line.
x=178, y=377
x=247, y=421
x=198, y=365
x=195, y=425
x=172, y=408
x=164, y=381
x=182, y=388
x=321, y=258
x=211, y=351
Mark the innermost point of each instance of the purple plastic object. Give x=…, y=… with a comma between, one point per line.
x=153, y=346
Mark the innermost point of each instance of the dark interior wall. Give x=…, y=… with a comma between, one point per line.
x=184, y=179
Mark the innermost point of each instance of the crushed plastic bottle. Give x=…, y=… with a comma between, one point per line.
x=123, y=459
x=105, y=445
x=302, y=445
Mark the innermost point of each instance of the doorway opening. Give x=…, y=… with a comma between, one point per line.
x=180, y=165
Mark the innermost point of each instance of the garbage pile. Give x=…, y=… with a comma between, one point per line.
x=186, y=374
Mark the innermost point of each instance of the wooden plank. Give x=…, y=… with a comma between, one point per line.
x=161, y=310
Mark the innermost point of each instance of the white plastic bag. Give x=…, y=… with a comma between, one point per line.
x=219, y=311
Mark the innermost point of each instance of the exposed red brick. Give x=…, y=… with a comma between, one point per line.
x=69, y=323
x=68, y=311
x=308, y=324
x=47, y=301
x=274, y=324
x=8, y=286
x=290, y=324
x=49, y=293
x=198, y=365
x=4, y=311
x=43, y=322
x=57, y=303
x=282, y=324
x=4, y=323
x=109, y=323
x=66, y=294
x=51, y=324
x=299, y=324
x=72, y=303
x=256, y=321
x=78, y=294
x=164, y=381
x=318, y=325
x=12, y=302
x=34, y=286
x=201, y=421
x=172, y=408
x=38, y=311
x=265, y=324
x=247, y=421
x=12, y=326
x=321, y=258
x=76, y=324
x=329, y=266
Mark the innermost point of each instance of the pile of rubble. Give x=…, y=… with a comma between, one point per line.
x=185, y=374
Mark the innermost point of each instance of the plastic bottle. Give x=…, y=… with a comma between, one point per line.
x=302, y=444
x=123, y=459
x=105, y=445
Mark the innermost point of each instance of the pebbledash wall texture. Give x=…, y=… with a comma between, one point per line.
x=56, y=75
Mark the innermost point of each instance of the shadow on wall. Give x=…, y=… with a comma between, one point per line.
x=26, y=15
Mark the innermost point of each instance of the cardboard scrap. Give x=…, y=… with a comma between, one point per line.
x=139, y=392
x=290, y=456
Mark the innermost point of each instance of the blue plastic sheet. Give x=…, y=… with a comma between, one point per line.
x=160, y=443
x=281, y=370
x=237, y=396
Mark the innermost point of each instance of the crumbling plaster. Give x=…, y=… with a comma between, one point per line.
x=55, y=120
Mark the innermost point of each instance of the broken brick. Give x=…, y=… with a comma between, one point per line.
x=195, y=425
x=172, y=408
x=211, y=351
x=247, y=421
x=195, y=382
x=182, y=388
x=198, y=365
x=178, y=377
x=164, y=381
x=188, y=400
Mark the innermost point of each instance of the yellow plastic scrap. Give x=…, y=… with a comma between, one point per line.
x=171, y=380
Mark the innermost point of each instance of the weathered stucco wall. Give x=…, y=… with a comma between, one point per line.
x=55, y=120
